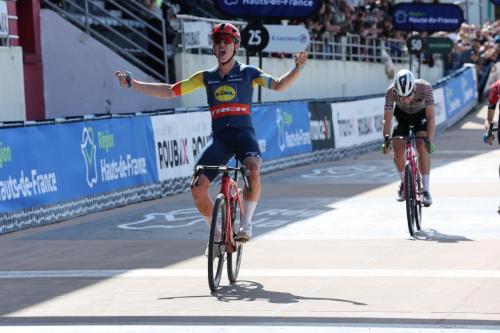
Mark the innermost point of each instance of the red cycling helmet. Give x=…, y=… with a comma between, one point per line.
x=227, y=28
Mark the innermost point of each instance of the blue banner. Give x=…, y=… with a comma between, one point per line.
x=52, y=163
x=268, y=8
x=427, y=17
x=282, y=129
x=460, y=94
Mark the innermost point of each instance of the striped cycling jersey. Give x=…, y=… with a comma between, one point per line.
x=423, y=97
x=229, y=97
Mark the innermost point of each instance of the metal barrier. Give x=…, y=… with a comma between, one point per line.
x=350, y=47
x=130, y=29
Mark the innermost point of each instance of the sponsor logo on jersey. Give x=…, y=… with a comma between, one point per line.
x=225, y=93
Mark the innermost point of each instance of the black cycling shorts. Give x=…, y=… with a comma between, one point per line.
x=404, y=120
x=239, y=141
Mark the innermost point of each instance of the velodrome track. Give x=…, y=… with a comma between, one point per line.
x=331, y=253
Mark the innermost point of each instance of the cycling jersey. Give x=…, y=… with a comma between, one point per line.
x=494, y=95
x=423, y=97
x=229, y=97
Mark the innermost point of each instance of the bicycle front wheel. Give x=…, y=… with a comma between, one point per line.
x=216, y=247
x=234, y=259
x=410, y=200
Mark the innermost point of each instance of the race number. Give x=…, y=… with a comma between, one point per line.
x=254, y=37
x=415, y=44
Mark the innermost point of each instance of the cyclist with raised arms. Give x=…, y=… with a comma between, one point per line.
x=411, y=102
x=229, y=87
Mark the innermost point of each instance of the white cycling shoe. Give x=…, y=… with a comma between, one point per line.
x=245, y=232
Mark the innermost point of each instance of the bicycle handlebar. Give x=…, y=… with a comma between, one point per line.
x=221, y=169
x=388, y=139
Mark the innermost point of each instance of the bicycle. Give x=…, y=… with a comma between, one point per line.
x=226, y=219
x=412, y=184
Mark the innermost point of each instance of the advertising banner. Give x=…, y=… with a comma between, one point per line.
x=321, y=125
x=268, y=8
x=460, y=93
x=179, y=141
x=282, y=129
x=287, y=38
x=427, y=17
x=357, y=122
x=196, y=35
x=441, y=45
x=53, y=163
x=439, y=106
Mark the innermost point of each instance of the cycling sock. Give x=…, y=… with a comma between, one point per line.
x=208, y=220
x=248, y=209
x=402, y=176
x=425, y=181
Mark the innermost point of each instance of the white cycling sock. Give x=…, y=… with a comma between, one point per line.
x=402, y=176
x=248, y=209
x=425, y=181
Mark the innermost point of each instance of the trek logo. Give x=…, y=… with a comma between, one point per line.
x=89, y=151
x=229, y=109
x=225, y=93
x=5, y=154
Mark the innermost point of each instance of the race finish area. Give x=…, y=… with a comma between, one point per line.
x=331, y=253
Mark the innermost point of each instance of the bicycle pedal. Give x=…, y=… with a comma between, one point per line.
x=241, y=240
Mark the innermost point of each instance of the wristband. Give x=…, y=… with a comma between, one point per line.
x=128, y=78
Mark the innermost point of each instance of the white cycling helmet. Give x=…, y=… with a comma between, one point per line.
x=404, y=82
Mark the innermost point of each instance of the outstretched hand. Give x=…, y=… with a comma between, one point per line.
x=124, y=78
x=300, y=59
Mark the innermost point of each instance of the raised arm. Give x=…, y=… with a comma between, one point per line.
x=161, y=90
x=288, y=78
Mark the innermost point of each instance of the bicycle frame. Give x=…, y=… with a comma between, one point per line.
x=229, y=188
x=413, y=189
x=411, y=158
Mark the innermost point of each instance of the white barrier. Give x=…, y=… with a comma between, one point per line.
x=12, y=104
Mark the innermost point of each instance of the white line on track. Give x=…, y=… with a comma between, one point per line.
x=138, y=273
x=271, y=328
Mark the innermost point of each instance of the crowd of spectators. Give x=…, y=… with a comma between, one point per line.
x=479, y=45
x=371, y=19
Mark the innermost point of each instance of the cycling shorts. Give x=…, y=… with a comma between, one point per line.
x=404, y=120
x=239, y=141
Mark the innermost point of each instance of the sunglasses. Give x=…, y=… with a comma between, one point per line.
x=227, y=39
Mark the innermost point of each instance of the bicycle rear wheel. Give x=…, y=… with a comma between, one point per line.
x=418, y=202
x=216, y=247
x=234, y=259
x=410, y=200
